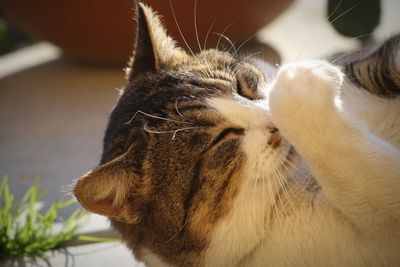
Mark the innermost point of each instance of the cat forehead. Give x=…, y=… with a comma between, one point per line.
x=216, y=60
x=202, y=69
x=216, y=56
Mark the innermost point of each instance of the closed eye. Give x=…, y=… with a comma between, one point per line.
x=225, y=133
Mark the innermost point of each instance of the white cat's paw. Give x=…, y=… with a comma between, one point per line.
x=304, y=89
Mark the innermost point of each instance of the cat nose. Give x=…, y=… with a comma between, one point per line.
x=275, y=139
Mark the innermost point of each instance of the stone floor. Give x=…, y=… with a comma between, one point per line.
x=53, y=113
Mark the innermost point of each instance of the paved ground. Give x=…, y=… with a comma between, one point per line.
x=53, y=111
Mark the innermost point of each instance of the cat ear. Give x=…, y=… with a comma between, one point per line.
x=107, y=190
x=153, y=48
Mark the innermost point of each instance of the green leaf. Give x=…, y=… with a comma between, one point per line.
x=28, y=232
x=96, y=238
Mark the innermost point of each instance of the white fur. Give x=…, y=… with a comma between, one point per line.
x=244, y=228
x=379, y=115
x=152, y=259
x=351, y=150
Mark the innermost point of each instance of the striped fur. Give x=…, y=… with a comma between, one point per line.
x=375, y=69
x=220, y=160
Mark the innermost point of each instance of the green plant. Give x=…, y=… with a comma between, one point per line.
x=24, y=231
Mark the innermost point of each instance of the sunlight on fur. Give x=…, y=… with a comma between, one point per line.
x=221, y=159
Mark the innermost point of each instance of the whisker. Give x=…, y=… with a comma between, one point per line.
x=155, y=117
x=253, y=194
x=179, y=231
x=279, y=187
x=208, y=33
x=169, y=131
x=337, y=59
x=273, y=198
x=286, y=161
x=344, y=13
x=247, y=181
x=235, y=71
x=300, y=184
x=284, y=190
x=180, y=114
x=336, y=8
x=264, y=199
x=296, y=168
x=360, y=36
x=303, y=48
x=244, y=42
x=223, y=32
x=228, y=40
x=256, y=179
x=195, y=24
x=180, y=31
x=207, y=73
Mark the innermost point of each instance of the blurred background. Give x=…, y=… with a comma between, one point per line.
x=61, y=65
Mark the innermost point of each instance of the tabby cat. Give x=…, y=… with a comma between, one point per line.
x=215, y=159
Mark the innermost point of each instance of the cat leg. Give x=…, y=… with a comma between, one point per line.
x=378, y=115
x=358, y=171
x=372, y=91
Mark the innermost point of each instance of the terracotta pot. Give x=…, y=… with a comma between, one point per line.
x=103, y=30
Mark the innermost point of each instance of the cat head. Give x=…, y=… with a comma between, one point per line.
x=187, y=151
